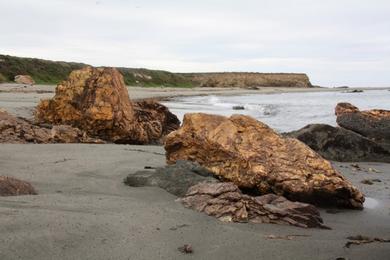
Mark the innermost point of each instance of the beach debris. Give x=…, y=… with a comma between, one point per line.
x=226, y=202
x=339, y=144
x=19, y=130
x=96, y=101
x=186, y=249
x=356, y=167
x=238, y=108
x=178, y=227
x=285, y=237
x=373, y=124
x=24, y=79
x=176, y=179
x=13, y=187
x=359, y=240
x=368, y=182
x=250, y=154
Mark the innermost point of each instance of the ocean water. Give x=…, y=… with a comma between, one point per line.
x=283, y=111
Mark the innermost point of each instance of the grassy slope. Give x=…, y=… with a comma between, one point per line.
x=52, y=72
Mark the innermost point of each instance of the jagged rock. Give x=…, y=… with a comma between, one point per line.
x=226, y=202
x=175, y=179
x=19, y=130
x=373, y=124
x=24, y=79
x=96, y=100
x=339, y=144
x=13, y=187
x=253, y=156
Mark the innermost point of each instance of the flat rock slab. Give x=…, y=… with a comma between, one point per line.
x=176, y=179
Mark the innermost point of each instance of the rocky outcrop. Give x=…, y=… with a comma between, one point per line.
x=13, y=187
x=176, y=179
x=24, y=79
x=250, y=80
x=339, y=144
x=253, y=156
x=19, y=130
x=373, y=124
x=227, y=203
x=96, y=101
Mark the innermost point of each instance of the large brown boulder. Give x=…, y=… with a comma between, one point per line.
x=373, y=124
x=24, y=79
x=339, y=144
x=96, y=100
x=253, y=156
x=18, y=130
x=13, y=187
x=226, y=202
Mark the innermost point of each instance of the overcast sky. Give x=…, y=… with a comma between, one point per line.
x=336, y=42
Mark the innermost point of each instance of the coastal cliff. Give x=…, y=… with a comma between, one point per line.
x=250, y=79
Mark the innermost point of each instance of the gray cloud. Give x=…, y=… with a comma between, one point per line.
x=335, y=42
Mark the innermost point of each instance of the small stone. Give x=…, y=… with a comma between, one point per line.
x=186, y=249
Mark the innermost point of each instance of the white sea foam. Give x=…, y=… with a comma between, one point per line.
x=284, y=112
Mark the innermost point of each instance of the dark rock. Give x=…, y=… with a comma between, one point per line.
x=238, y=108
x=339, y=144
x=175, y=179
x=13, y=187
x=186, y=249
x=373, y=124
x=227, y=203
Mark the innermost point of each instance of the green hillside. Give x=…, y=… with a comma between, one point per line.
x=52, y=72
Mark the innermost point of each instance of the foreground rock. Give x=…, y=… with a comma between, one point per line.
x=373, y=124
x=96, y=101
x=251, y=155
x=24, y=79
x=19, y=130
x=176, y=179
x=226, y=202
x=14, y=187
x=339, y=144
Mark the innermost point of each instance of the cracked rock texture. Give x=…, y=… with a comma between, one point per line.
x=96, y=100
x=226, y=202
x=13, y=187
x=18, y=130
x=250, y=154
x=373, y=124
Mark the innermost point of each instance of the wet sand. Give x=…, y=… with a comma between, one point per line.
x=84, y=211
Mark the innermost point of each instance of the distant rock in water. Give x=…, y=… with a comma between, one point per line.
x=227, y=203
x=248, y=153
x=13, y=187
x=97, y=101
x=339, y=144
x=373, y=124
x=238, y=108
x=19, y=130
x=251, y=80
x=24, y=79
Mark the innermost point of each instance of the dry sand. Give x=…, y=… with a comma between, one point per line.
x=84, y=211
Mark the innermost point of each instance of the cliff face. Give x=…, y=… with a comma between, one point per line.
x=249, y=80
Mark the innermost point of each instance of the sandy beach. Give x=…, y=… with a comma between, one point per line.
x=84, y=211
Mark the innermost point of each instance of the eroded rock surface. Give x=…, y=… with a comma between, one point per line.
x=13, y=187
x=226, y=202
x=175, y=179
x=373, y=124
x=18, y=130
x=339, y=144
x=24, y=79
x=96, y=101
x=253, y=156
